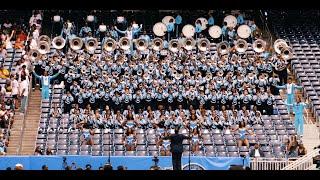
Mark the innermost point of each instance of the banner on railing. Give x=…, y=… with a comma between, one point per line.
x=131, y=162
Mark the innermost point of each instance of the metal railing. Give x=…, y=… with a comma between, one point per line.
x=270, y=163
x=303, y=163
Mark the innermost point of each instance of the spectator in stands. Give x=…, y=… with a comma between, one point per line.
x=7, y=41
x=49, y=151
x=256, y=152
x=2, y=145
x=4, y=73
x=88, y=167
x=38, y=151
x=301, y=150
x=15, y=90
x=107, y=167
x=293, y=147
x=44, y=167
x=121, y=168
x=18, y=167
x=24, y=92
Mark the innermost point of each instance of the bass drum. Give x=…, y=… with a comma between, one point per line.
x=204, y=23
x=167, y=19
x=188, y=30
x=159, y=29
x=215, y=31
x=244, y=31
x=231, y=21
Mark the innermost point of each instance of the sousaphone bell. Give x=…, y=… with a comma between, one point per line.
x=109, y=45
x=141, y=44
x=241, y=45
x=174, y=45
x=58, y=42
x=76, y=43
x=157, y=44
x=91, y=44
x=189, y=43
x=203, y=44
x=124, y=43
x=223, y=48
x=259, y=45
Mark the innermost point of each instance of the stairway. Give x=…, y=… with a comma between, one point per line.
x=311, y=136
x=15, y=134
x=32, y=120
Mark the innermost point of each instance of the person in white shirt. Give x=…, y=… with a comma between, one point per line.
x=15, y=89
x=24, y=92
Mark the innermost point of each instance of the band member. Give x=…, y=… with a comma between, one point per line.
x=198, y=28
x=176, y=148
x=290, y=91
x=178, y=21
x=243, y=131
x=129, y=33
x=298, y=108
x=85, y=30
x=45, y=82
x=269, y=102
x=170, y=29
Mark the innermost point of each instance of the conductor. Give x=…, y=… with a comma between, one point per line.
x=176, y=148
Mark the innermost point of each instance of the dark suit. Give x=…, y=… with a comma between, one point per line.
x=176, y=149
x=252, y=152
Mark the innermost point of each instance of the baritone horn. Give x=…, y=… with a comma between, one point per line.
x=189, y=43
x=259, y=45
x=203, y=44
x=174, y=45
x=91, y=44
x=141, y=44
x=241, y=45
x=157, y=44
x=223, y=48
x=124, y=43
x=76, y=43
x=109, y=45
x=58, y=42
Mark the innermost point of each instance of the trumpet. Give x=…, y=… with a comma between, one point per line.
x=203, y=44
x=58, y=42
x=157, y=44
x=259, y=45
x=223, y=48
x=241, y=45
x=43, y=47
x=189, y=43
x=76, y=43
x=174, y=45
x=34, y=55
x=109, y=45
x=91, y=44
x=141, y=44
x=124, y=43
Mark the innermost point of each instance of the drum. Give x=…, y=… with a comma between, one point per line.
x=231, y=21
x=215, y=31
x=204, y=23
x=159, y=29
x=188, y=30
x=166, y=19
x=244, y=31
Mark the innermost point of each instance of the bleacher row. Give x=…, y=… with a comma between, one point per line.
x=275, y=130
x=305, y=42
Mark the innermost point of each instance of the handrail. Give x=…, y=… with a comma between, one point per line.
x=270, y=163
x=302, y=163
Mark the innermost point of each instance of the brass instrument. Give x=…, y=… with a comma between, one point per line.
x=76, y=43
x=286, y=53
x=34, y=55
x=44, y=38
x=223, y=48
x=189, y=43
x=58, y=42
x=124, y=43
x=259, y=45
x=141, y=44
x=174, y=45
x=241, y=45
x=43, y=47
x=203, y=44
x=279, y=44
x=157, y=44
x=91, y=44
x=109, y=45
